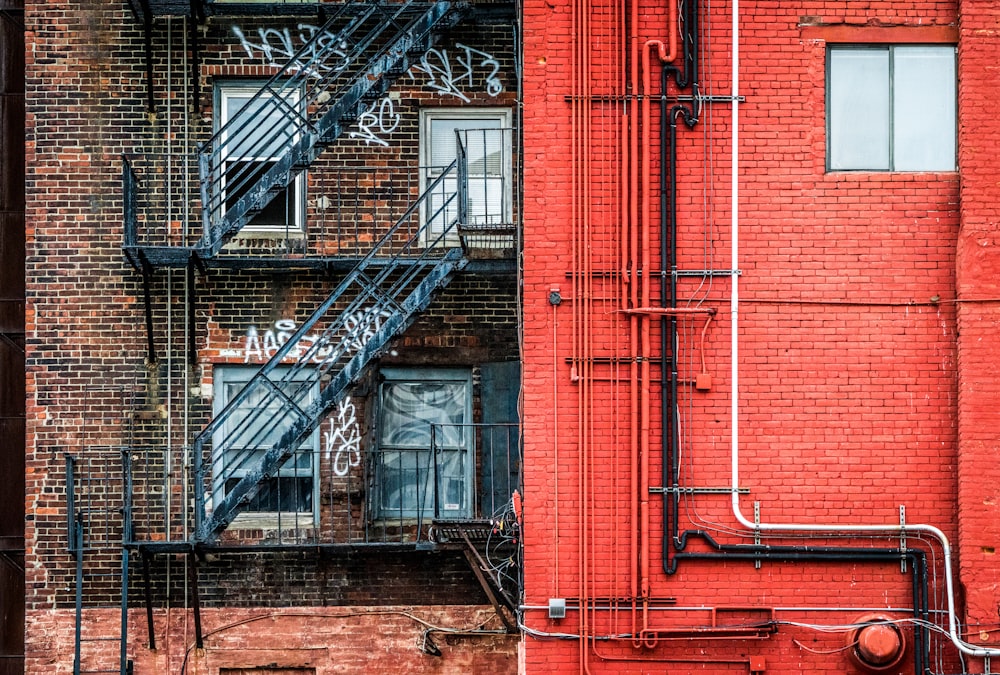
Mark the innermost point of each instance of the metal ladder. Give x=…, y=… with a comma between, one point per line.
x=91, y=508
x=351, y=61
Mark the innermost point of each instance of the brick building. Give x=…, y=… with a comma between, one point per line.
x=760, y=378
x=326, y=305
x=273, y=390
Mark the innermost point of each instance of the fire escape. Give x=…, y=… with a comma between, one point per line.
x=417, y=236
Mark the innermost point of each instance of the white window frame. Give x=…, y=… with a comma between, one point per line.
x=861, y=132
x=414, y=456
x=470, y=119
x=234, y=378
x=294, y=224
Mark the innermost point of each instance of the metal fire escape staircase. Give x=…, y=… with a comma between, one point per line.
x=324, y=88
x=301, y=110
x=237, y=452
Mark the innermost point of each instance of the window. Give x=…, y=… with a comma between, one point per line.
x=891, y=108
x=484, y=134
x=256, y=133
x=413, y=479
x=292, y=490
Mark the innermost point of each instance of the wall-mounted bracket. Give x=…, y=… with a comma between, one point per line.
x=902, y=538
x=756, y=531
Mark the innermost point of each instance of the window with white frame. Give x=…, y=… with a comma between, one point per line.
x=423, y=463
x=257, y=130
x=292, y=490
x=891, y=108
x=484, y=136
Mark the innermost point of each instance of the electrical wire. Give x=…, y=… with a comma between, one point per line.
x=477, y=629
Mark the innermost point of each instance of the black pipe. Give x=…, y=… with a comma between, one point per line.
x=916, y=558
x=670, y=441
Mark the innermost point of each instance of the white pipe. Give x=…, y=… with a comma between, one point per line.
x=887, y=529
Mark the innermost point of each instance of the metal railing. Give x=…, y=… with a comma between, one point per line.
x=469, y=474
x=344, y=213
x=353, y=489
x=283, y=127
x=327, y=352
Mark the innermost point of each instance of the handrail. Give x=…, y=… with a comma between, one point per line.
x=329, y=358
x=243, y=167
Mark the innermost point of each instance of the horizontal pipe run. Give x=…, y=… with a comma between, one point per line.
x=671, y=310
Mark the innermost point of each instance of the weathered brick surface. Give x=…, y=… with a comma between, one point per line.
x=91, y=391
x=329, y=640
x=979, y=313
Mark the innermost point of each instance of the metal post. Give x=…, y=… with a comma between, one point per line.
x=199, y=641
x=78, y=550
x=127, y=536
x=463, y=179
x=123, y=644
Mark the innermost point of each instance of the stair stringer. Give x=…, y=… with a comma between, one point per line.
x=240, y=494
x=221, y=225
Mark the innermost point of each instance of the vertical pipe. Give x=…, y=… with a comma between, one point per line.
x=645, y=169
x=632, y=227
x=668, y=338
x=148, y=596
x=127, y=537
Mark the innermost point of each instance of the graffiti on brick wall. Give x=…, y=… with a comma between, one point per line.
x=342, y=442
x=448, y=73
x=380, y=119
x=452, y=73
x=317, y=348
x=277, y=46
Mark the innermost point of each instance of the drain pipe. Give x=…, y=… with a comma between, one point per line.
x=817, y=528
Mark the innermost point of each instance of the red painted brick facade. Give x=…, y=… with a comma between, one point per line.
x=866, y=348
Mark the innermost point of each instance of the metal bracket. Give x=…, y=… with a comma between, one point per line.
x=902, y=538
x=706, y=273
x=986, y=664
x=697, y=490
x=756, y=531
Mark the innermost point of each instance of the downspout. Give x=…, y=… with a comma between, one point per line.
x=670, y=444
x=665, y=54
x=812, y=528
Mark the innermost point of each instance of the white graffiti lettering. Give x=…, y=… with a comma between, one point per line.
x=447, y=72
x=322, y=348
x=380, y=118
x=344, y=437
x=277, y=47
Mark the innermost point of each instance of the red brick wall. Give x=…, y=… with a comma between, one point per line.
x=330, y=640
x=849, y=406
x=978, y=316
